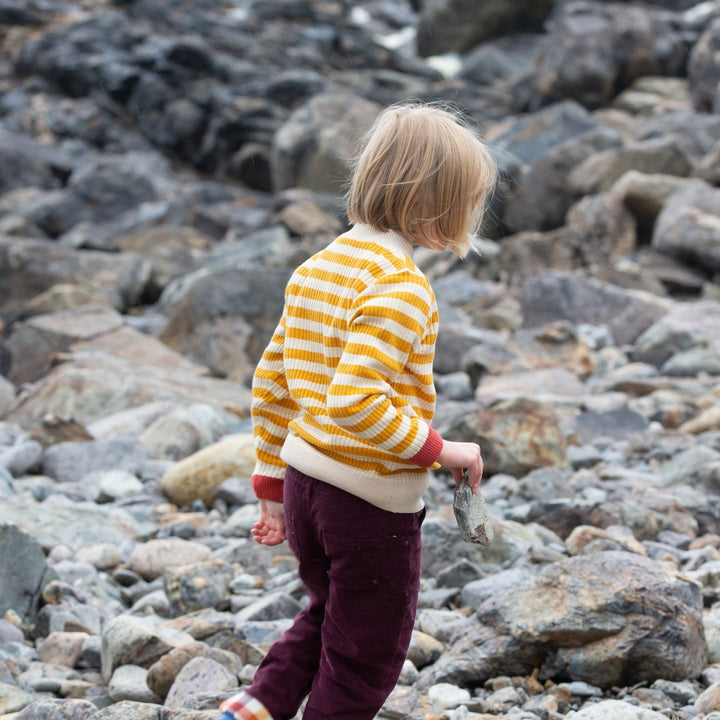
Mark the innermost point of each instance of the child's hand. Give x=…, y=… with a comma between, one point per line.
x=270, y=528
x=458, y=456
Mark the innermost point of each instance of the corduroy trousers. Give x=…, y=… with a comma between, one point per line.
x=361, y=568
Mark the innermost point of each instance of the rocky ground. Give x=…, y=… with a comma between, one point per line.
x=165, y=165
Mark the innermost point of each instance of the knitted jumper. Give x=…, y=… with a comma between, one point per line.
x=344, y=391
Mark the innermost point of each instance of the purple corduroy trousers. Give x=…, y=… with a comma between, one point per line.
x=361, y=568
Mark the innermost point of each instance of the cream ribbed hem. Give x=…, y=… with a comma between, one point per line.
x=401, y=493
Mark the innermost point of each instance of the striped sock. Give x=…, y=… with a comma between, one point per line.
x=243, y=707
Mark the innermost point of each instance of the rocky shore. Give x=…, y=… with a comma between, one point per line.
x=163, y=168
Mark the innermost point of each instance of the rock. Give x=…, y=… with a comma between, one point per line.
x=162, y=673
x=199, y=675
x=71, y=461
x=24, y=572
x=198, y=476
x=645, y=194
x=86, y=389
x=150, y=559
x=592, y=50
x=559, y=295
x=313, y=147
x=51, y=708
x=185, y=430
x=542, y=205
x=163, y=174
x=128, y=683
x=206, y=306
x=121, y=279
x=602, y=170
x=688, y=226
x=138, y=641
x=503, y=432
x=129, y=710
x=457, y=26
x=504, y=641
x=62, y=648
x=685, y=327
x=13, y=699
x=197, y=586
x=703, y=68
x=614, y=710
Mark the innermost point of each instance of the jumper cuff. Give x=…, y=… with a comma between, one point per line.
x=267, y=488
x=430, y=451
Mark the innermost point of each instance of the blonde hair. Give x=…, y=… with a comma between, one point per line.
x=422, y=172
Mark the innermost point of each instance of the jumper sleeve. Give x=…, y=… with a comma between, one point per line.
x=272, y=411
x=388, y=321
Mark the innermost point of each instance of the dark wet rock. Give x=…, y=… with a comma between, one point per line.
x=458, y=25
x=593, y=50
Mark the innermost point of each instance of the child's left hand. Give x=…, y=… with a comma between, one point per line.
x=270, y=528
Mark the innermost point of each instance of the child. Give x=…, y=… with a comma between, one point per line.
x=342, y=402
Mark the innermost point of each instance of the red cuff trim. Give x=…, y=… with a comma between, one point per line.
x=267, y=488
x=430, y=451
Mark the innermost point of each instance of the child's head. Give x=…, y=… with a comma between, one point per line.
x=423, y=173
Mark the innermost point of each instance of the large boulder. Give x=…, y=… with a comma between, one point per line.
x=223, y=317
x=609, y=618
x=593, y=50
x=704, y=69
x=517, y=435
x=689, y=326
x=24, y=572
x=30, y=267
x=688, y=227
x=92, y=385
x=555, y=295
x=312, y=149
x=198, y=476
x=460, y=25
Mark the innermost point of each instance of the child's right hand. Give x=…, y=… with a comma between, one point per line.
x=458, y=456
x=270, y=528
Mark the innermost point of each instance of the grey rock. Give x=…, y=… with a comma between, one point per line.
x=554, y=295
x=562, y=589
x=703, y=68
x=71, y=461
x=198, y=586
x=21, y=457
x=685, y=327
x=472, y=515
x=591, y=49
x=53, y=709
x=688, y=226
x=199, y=675
x=313, y=147
x=458, y=26
x=45, y=264
x=24, y=572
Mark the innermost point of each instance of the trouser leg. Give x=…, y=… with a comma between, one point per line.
x=285, y=675
x=361, y=569
x=370, y=611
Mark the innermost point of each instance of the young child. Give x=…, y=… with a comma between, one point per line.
x=342, y=402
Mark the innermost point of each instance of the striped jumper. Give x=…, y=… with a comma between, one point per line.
x=344, y=391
